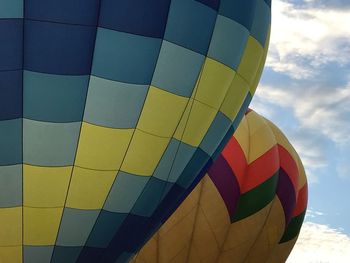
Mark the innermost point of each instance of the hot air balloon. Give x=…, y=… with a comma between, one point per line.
x=248, y=208
x=109, y=110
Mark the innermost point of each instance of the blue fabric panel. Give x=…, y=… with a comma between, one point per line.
x=214, y=135
x=50, y=144
x=11, y=44
x=130, y=237
x=223, y=143
x=165, y=164
x=105, y=228
x=11, y=185
x=63, y=254
x=11, y=142
x=212, y=3
x=177, y=69
x=82, y=12
x=37, y=254
x=150, y=197
x=58, y=48
x=90, y=255
x=228, y=42
x=261, y=23
x=125, y=57
x=45, y=94
x=11, y=9
x=239, y=11
x=190, y=24
x=114, y=104
x=147, y=18
x=76, y=226
x=198, y=160
x=121, y=199
x=11, y=95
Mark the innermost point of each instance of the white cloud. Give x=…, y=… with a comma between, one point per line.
x=310, y=213
x=308, y=38
x=320, y=244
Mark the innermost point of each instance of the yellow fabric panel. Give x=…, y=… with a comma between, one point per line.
x=181, y=257
x=89, y=188
x=194, y=257
x=261, y=64
x=214, y=83
x=282, y=251
x=253, y=54
x=11, y=254
x=177, y=238
x=235, y=97
x=144, y=153
x=41, y=225
x=238, y=253
x=214, y=210
x=270, y=235
x=261, y=139
x=195, y=123
x=162, y=112
x=242, y=136
x=102, y=148
x=204, y=239
x=45, y=186
x=242, y=234
x=11, y=226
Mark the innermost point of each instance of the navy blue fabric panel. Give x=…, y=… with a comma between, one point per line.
x=150, y=198
x=193, y=168
x=11, y=95
x=147, y=18
x=168, y=204
x=212, y=3
x=83, y=12
x=239, y=11
x=11, y=44
x=90, y=254
x=130, y=238
x=65, y=254
x=105, y=227
x=58, y=48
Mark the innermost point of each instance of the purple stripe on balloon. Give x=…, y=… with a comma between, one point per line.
x=286, y=194
x=225, y=181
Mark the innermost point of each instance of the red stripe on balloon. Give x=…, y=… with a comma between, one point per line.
x=302, y=201
x=261, y=169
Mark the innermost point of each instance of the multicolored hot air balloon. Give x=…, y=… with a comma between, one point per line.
x=109, y=110
x=248, y=208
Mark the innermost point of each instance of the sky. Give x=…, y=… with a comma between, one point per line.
x=305, y=90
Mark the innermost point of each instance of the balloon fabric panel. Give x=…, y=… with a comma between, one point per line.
x=98, y=97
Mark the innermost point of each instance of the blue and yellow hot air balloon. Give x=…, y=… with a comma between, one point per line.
x=109, y=111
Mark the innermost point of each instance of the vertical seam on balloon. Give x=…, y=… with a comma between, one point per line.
x=194, y=223
x=78, y=139
x=23, y=40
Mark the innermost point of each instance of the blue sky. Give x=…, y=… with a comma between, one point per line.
x=305, y=90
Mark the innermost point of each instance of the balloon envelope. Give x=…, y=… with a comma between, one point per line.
x=248, y=208
x=109, y=110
